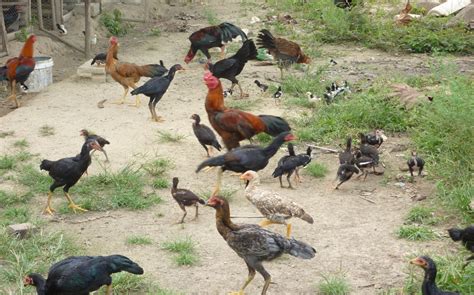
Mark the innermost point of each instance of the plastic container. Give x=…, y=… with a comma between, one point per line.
x=42, y=75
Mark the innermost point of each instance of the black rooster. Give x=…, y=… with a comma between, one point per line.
x=100, y=58
x=249, y=157
x=466, y=236
x=185, y=198
x=211, y=37
x=429, y=286
x=80, y=275
x=291, y=163
x=204, y=134
x=155, y=89
x=345, y=172
x=66, y=173
x=231, y=67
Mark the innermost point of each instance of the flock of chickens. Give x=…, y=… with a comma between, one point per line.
x=254, y=244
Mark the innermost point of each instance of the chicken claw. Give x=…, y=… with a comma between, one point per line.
x=49, y=210
x=241, y=292
x=158, y=119
x=74, y=207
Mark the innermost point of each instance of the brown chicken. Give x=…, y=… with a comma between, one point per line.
x=235, y=125
x=128, y=74
x=285, y=52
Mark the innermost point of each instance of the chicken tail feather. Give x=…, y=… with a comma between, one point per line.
x=212, y=162
x=230, y=31
x=455, y=234
x=247, y=52
x=119, y=263
x=275, y=125
x=300, y=249
x=217, y=145
x=306, y=217
x=266, y=40
x=46, y=165
x=278, y=171
x=153, y=70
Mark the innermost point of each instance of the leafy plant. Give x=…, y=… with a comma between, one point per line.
x=113, y=22
x=139, y=240
x=416, y=233
x=334, y=285
x=317, y=170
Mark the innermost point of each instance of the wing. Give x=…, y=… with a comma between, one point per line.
x=154, y=87
x=186, y=195
x=205, y=37
x=233, y=121
x=256, y=242
x=287, y=50
x=223, y=66
x=275, y=206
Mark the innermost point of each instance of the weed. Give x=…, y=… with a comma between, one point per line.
x=33, y=179
x=422, y=215
x=185, y=259
x=22, y=34
x=158, y=167
x=7, y=199
x=185, y=249
x=317, y=170
x=21, y=144
x=156, y=32
x=46, y=130
x=263, y=138
x=23, y=156
x=334, y=285
x=243, y=104
x=211, y=17
x=160, y=183
x=114, y=24
x=139, y=240
x=7, y=162
x=165, y=136
x=416, y=233
x=226, y=193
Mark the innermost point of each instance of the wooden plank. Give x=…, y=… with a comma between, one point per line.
x=87, y=15
x=49, y=34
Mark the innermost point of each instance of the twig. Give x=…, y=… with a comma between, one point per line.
x=368, y=200
x=92, y=219
x=324, y=149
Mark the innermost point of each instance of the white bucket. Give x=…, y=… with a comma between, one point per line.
x=42, y=76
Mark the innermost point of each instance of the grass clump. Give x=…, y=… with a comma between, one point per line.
x=7, y=162
x=334, y=285
x=421, y=215
x=114, y=24
x=211, y=17
x=139, y=240
x=226, y=193
x=46, y=130
x=155, y=32
x=416, y=233
x=33, y=179
x=21, y=144
x=14, y=215
x=160, y=183
x=7, y=199
x=317, y=170
x=185, y=250
x=4, y=134
x=158, y=167
x=165, y=136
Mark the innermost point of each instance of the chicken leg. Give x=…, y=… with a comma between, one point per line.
x=108, y=291
x=197, y=212
x=267, y=222
x=49, y=210
x=249, y=279
x=223, y=52
x=217, y=189
x=72, y=205
x=13, y=94
x=138, y=101
x=184, y=215
x=122, y=100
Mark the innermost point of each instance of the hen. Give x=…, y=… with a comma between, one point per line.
x=285, y=52
x=205, y=135
x=374, y=139
x=185, y=198
x=255, y=244
x=429, y=286
x=231, y=67
x=245, y=158
x=275, y=208
x=347, y=157
x=211, y=37
x=155, y=89
x=128, y=74
x=18, y=69
x=80, y=275
x=415, y=162
x=235, y=125
x=66, y=173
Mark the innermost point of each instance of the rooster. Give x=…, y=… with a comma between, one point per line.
x=283, y=51
x=211, y=37
x=235, y=125
x=18, y=69
x=128, y=74
x=231, y=67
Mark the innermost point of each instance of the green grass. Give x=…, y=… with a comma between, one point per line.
x=158, y=167
x=263, y=139
x=226, y=193
x=139, y=240
x=211, y=17
x=23, y=143
x=160, y=183
x=416, y=233
x=114, y=23
x=7, y=199
x=46, y=130
x=333, y=285
x=165, y=136
x=15, y=215
x=242, y=104
x=155, y=32
x=317, y=170
x=184, y=249
x=7, y=162
x=33, y=179
x=422, y=215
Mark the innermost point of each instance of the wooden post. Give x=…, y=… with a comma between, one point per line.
x=28, y=12
x=40, y=14
x=53, y=14
x=3, y=31
x=146, y=7
x=87, y=15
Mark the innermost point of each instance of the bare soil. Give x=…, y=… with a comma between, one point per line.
x=351, y=234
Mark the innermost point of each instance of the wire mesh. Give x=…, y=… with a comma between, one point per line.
x=15, y=14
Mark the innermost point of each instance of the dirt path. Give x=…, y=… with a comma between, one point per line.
x=350, y=234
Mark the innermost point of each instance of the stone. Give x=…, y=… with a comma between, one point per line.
x=465, y=16
x=21, y=230
x=94, y=72
x=426, y=6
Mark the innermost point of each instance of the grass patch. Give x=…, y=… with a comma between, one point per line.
x=226, y=193
x=422, y=215
x=21, y=144
x=160, y=183
x=155, y=32
x=185, y=250
x=242, y=104
x=416, y=233
x=333, y=285
x=114, y=23
x=33, y=179
x=139, y=240
x=317, y=170
x=46, y=130
x=7, y=199
x=7, y=162
x=165, y=136
x=158, y=167
x=14, y=215
x=211, y=17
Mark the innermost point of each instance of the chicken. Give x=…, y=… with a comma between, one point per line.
x=66, y=173
x=235, y=125
x=363, y=162
x=347, y=157
x=18, y=69
x=429, y=286
x=205, y=135
x=374, y=139
x=291, y=163
x=88, y=136
x=11, y=16
x=101, y=58
x=155, y=89
x=345, y=172
x=80, y=275
x=263, y=87
x=277, y=95
x=275, y=208
x=211, y=37
x=367, y=150
x=283, y=51
x=255, y=244
x=415, y=162
x=231, y=67
x=128, y=74
x=245, y=158
x=466, y=236
x=185, y=198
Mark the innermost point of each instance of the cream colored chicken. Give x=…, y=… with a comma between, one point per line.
x=275, y=208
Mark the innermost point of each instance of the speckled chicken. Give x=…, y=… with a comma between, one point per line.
x=429, y=286
x=185, y=198
x=205, y=135
x=415, y=162
x=275, y=208
x=255, y=244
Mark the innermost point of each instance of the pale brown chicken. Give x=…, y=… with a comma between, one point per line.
x=275, y=208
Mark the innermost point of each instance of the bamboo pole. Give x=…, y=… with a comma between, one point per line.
x=87, y=15
x=40, y=15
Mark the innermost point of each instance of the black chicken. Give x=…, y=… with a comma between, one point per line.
x=415, y=162
x=155, y=89
x=204, y=134
x=363, y=162
x=345, y=172
x=374, y=139
x=368, y=150
x=255, y=244
x=231, y=67
x=466, y=236
x=347, y=156
x=11, y=16
x=242, y=159
x=291, y=163
x=211, y=37
x=429, y=286
x=80, y=275
x=185, y=198
x=66, y=173
x=88, y=136
x=100, y=59
x=262, y=86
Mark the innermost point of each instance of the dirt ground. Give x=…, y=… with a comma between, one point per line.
x=351, y=235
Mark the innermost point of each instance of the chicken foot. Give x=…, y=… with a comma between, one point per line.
x=184, y=215
x=242, y=94
x=13, y=94
x=197, y=212
x=249, y=279
x=49, y=210
x=72, y=205
x=121, y=100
